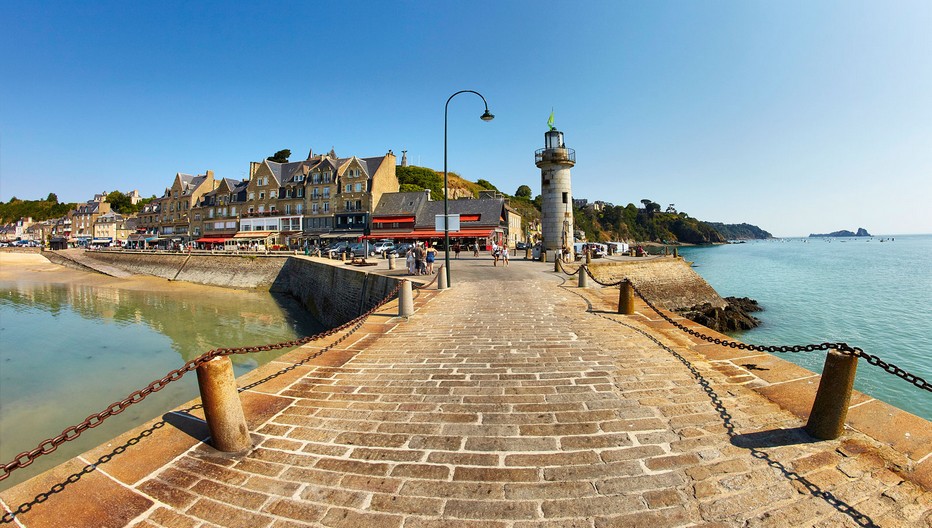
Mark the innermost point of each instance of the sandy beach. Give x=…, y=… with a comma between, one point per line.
x=33, y=267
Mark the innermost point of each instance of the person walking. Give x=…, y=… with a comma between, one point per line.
x=419, y=255
x=496, y=253
x=475, y=249
x=409, y=260
x=429, y=258
x=504, y=254
x=456, y=250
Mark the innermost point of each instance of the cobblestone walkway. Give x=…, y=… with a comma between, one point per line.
x=516, y=402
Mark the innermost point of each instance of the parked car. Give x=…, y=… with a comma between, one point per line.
x=335, y=250
x=400, y=249
x=382, y=246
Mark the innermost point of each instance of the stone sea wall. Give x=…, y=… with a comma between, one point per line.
x=332, y=293
x=668, y=282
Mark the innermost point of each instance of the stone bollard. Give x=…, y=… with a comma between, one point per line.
x=582, y=282
x=405, y=299
x=391, y=262
x=626, y=298
x=222, y=407
x=830, y=408
x=441, y=279
x=543, y=256
x=676, y=253
x=527, y=253
x=588, y=257
x=556, y=264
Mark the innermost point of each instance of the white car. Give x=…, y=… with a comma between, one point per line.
x=382, y=246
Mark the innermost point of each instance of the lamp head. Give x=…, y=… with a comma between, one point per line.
x=487, y=116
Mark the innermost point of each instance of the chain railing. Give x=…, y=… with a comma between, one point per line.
x=842, y=347
x=49, y=445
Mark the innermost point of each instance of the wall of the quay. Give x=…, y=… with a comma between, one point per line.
x=668, y=282
x=228, y=271
x=332, y=293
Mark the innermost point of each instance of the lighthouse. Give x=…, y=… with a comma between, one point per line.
x=555, y=162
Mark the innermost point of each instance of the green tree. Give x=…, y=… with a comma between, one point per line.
x=485, y=184
x=281, y=156
x=523, y=192
x=120, y=203
x=52, y=198
x=413, y=179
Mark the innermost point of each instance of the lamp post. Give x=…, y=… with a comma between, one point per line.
x=446, y=212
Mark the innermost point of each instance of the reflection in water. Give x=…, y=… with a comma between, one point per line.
x=69, y=350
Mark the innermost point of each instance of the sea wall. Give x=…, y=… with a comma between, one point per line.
x=668, y=282
x=228, y=271
x=332, y=292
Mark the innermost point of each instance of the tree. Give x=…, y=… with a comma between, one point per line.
x=52, y=198
x=120, y=203
x=523, y=192
x=485, y=184
x=281, y=156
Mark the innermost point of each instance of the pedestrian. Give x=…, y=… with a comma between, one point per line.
x=429, y=258
x=409, y=260
x=496, y=253
x=456, y=250
x=504, y=254
x=475, y=249
x=419, y=255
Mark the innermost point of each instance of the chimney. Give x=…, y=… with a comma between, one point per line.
x=427, y=192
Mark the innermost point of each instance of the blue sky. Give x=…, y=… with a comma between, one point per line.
x=799, y=117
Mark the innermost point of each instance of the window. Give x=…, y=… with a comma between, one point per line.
x=315, y=177
x=326, y=192
x=348, y=188
x=197, y=216
x=252, y=196
x=299, y=178
x=316, y=193
x=327, y=177
x=314, y=208
x=197, y=231
x=261, y=209
x=262, y=195
x=273, y=194
x=358, y=187
x=358, y=205
x=287, y=208
x=566, y=197
x=326, y=207
x=232, y=211
x=300, y=193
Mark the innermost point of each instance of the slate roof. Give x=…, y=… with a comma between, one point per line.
x=425, y=211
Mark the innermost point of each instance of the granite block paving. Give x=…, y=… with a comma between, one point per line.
x=516, y=399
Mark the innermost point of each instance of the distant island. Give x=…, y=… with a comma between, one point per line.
x=740, y=231
x=843, y=233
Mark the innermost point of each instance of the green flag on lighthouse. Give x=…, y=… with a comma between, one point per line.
x=550, y=121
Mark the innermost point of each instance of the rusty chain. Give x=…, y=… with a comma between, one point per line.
x=49, y=445
x=560, y=264
x=844, y=348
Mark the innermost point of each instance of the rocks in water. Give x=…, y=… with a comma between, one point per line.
x=733, y=318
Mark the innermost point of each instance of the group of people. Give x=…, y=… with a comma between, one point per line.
x=499, y=253
x=420, y=259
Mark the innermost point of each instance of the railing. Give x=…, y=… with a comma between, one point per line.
x=556, y=155
x=830, y=407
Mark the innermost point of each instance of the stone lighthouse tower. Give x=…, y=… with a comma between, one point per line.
x=555, y=161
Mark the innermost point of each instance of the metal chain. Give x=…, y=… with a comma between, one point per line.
x=427, y=285
x=560, y=264
x=49, y=445
x=841, y=347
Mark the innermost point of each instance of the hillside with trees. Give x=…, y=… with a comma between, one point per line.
x=38, y=210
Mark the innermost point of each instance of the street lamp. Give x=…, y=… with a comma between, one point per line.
x=446, y=212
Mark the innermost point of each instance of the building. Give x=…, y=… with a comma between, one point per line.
x=215, y=219
x=184, y=194
x=412, y=216
x=85, y=216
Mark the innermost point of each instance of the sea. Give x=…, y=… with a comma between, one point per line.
x=870, y=292
x=68, y=351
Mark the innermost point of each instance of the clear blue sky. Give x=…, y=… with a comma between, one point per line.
x=796, y=116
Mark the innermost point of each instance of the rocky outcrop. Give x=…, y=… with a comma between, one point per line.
x=734, y=317
x=843, y=233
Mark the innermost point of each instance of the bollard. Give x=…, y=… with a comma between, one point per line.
x=676, y=253
x=830, y=408
x=527, y=253
x=582, y=281
x=556, y=263
x=441, y=279
x=626, y=298
x=222, y=407
x=405, y=299
x=391, y=262
x=543, y=256
x=588, y=257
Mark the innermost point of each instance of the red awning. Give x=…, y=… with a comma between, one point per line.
x=390, y=219
x=469, y=218
x=471, y=233
x=212, y=240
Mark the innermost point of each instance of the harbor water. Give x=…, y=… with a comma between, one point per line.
x=70, y=350
x=870, y=292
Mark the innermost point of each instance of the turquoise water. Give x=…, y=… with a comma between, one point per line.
x=870, y=294
x=67, y=351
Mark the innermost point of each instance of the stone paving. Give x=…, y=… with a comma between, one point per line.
x=515, y=399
